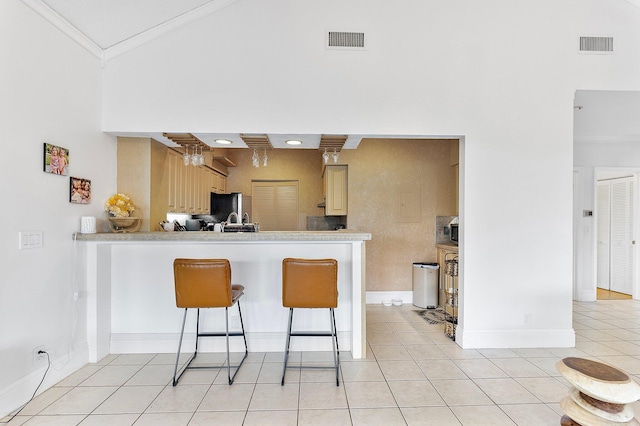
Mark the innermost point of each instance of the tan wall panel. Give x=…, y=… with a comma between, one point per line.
x=134, y=180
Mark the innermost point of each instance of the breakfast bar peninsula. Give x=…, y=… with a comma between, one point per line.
x=128, y=280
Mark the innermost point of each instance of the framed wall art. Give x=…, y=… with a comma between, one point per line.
x=79, y=190
x=56, y=159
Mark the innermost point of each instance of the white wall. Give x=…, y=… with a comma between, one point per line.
x=49, y=92
x=500, y=73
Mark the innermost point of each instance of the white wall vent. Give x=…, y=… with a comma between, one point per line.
x=345, y=40
x=596, y=44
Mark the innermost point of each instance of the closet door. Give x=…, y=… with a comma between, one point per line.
x=621, y=238
x=603, y=248
x=274, y=204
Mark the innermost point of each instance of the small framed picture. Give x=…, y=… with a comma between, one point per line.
x=56, y=159
x=79, y=190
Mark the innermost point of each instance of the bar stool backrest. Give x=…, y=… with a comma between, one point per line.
x=202, y=283
x=309, y=283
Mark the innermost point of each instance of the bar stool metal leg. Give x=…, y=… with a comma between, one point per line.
x=175, y=370
x=226, y=333
x=246, y=349
x=195, y=353
x=334, y=341
x=311, y=284
x=286, y=351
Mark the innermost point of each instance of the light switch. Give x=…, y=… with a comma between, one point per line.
x=29, y=239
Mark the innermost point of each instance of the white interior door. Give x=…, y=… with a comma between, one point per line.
x=622, y=224
x=275, y=205
x=616, y=228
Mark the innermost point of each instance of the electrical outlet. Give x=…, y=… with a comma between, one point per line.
x=39, y=358
x=526, y=319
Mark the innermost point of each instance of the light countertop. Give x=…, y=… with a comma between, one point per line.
x=448, y=246
x=204, y=236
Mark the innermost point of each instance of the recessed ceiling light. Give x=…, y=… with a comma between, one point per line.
x=293, y=142
x=224, y=141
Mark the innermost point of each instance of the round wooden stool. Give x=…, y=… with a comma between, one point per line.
x=601, y=394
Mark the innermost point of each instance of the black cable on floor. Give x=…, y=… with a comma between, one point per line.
x=36, y=391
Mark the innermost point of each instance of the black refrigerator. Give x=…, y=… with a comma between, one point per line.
x=224, y=204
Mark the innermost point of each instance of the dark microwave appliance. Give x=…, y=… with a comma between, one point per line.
x=453, y=234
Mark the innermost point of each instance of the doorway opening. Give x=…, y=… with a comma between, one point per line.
x=616, y=213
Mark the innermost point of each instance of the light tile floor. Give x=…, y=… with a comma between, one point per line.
x=413, y=375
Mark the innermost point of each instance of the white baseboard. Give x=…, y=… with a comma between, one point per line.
x=377, y=297
x=128, y=343
x=538, y=338
x=586, y=296
x=19, y=392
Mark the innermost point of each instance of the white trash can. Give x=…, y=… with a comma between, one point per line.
x=425, y=284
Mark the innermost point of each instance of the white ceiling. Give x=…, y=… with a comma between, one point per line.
x=110, y=22
x=109, y=27
x=309, y=141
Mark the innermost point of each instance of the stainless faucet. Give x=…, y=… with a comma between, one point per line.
x=232, y=215
x=245, y=218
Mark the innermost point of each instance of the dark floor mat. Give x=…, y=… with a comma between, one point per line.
x=434, y=316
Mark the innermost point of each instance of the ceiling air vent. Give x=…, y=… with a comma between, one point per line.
x=596, y=44
x=345, y=40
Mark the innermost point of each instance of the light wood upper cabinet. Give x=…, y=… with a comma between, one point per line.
x=158, y=181
x=335, y=190
x=189, y=187
x=174, y=162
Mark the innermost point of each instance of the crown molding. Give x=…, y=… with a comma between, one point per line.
x=131, y=43
x=161, y=29
x=63, y=25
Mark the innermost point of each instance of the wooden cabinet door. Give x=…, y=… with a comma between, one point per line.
x=442, y=256
x=335, y=181
x=190, y=187
x=198, y=177
x=174, y=162
x=181, y=193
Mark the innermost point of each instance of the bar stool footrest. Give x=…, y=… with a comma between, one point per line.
x=220, y=334
x=312, y=333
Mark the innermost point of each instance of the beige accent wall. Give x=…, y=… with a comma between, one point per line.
x=134, y=177
x=303, y=165
x=396, y=189
x=387, y=177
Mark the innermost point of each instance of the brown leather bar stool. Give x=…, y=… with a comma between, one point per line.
x=206, y=283
x=311, y=283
